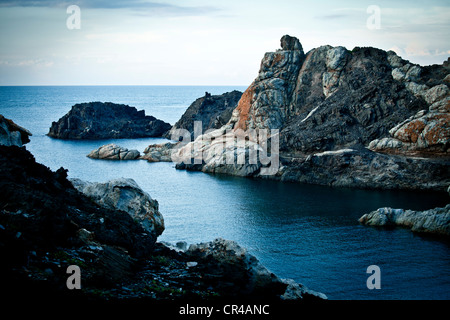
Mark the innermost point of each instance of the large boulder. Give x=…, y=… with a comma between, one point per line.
x=124, y=194
x=106, y=120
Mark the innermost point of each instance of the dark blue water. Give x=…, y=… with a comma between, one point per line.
x=307, y=233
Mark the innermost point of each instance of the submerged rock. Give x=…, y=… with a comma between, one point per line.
x=106, y=120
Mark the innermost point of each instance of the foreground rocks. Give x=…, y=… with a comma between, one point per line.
x=109, y=231
x=106, y=120
x=434, y=221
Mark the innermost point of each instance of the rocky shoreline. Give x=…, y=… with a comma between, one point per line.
x=109, y=231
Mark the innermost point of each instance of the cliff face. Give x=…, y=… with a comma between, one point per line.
x=337, y=103
x=334, y=98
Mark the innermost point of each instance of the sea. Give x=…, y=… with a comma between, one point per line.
x=307, y=233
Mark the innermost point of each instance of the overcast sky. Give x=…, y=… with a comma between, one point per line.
x=199, y=42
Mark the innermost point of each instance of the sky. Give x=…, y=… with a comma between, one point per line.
x=200, y=42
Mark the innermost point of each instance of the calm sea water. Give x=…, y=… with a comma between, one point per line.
x=307, y=233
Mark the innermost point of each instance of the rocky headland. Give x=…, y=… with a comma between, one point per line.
x=109, y=230
x=106, y=120
x=355, y=118
x=211, y=111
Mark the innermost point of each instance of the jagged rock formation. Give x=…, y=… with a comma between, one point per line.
x=114, y=152
x=330, y=100
x=106, y=120
x=212, y=110
x=12, y=134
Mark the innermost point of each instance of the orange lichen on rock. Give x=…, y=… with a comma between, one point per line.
x=410, y=132
x=244, y=107
x=437, y=130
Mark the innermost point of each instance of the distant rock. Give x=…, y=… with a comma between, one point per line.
x=114, y=152
x=12, y=134
x=212, y=110
x=106, y=120
x=433, y=221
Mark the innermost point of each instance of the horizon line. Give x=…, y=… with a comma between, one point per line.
x=123, y=85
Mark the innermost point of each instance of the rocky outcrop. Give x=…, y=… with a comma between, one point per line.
x=125, y=195
x=330, y=100
x=114, y=152
x=12, y=134
x=427, y=132
x=106, y=120
x=434, y=221
x=212, y=112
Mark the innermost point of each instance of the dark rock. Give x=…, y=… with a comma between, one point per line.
x=290, y=43
x=46, y=225
x=12, y=134
x=212, y=111
x=98, y=120
x=362, y=168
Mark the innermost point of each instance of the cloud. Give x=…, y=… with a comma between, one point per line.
x=142, y=6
